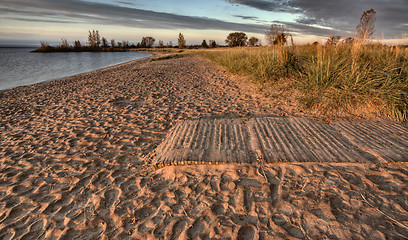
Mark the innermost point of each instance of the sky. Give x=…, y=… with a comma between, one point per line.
x=27, y=22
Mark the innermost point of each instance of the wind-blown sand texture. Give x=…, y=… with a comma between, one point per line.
x=72, y=154
x=281, y=139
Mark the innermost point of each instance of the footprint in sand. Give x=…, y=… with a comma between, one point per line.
x=246, y=233
x=110, y=197
x=22, y=190
x=196, y=229
x=16, y=212
x=8, y=234
x=144, y=213
x=178, y=228
x=53, y=207
x=248, y=200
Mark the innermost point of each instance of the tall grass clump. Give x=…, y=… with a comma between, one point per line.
x=352, y=76
x=347, y=78
x=262, y=64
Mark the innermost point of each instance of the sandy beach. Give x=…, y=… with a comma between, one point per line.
x=74, y=157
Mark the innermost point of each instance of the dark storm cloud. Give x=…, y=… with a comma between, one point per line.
x=39, y=20
x=247, y=17
x=254, y=19
x=101, y=13
x=126, y=3
x=274, y=6
x=342, y=16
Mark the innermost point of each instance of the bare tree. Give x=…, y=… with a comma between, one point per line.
x=365, y=29
x=181, y=41
x=64, y=43
x=333, y=41
x=45, y=45
x=94, y=39
x=91, y=40
x=161, y=44
x=97, y=38
x=236, y=39
x=276, y=34
x=112, y=43
x=253, y=41
x=77, y=44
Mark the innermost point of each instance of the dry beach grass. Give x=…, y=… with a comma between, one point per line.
x=72, y=165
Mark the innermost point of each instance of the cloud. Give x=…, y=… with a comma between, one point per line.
x=39, y=20
x=125, y=3
x=247, y=17
x=315, y=17
x=91, y=12
x=80, y=11
x=273, y=6
x=254, y=19
x=342, y=16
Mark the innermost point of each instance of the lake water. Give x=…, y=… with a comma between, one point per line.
x=19, y=66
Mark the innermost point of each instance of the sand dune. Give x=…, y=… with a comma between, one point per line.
x=72, y=156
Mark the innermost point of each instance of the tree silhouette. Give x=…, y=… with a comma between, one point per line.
x=236, y=39
x=181, y=41
x=147, y=42
x=204, y=44
x=104, y=43
x=64, y=43
x=125, y=44
x=276, y=34
x=94, y=39
x=77, y=44
x=253, y=41
x=365, y=29
x=97, y=38
x=212, y=44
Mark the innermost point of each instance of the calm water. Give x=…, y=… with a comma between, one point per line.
x=18, y=66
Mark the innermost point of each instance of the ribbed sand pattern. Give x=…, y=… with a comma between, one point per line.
x=386, y=140
x=206, y=141
x=282, y=139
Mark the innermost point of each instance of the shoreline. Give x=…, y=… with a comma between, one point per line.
x=73, y=155
x=152, y=54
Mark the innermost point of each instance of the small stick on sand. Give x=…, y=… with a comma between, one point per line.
x=388, y=216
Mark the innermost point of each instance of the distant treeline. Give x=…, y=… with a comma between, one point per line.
x=96, y=43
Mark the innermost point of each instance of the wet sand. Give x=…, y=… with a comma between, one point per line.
x=73, y=156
